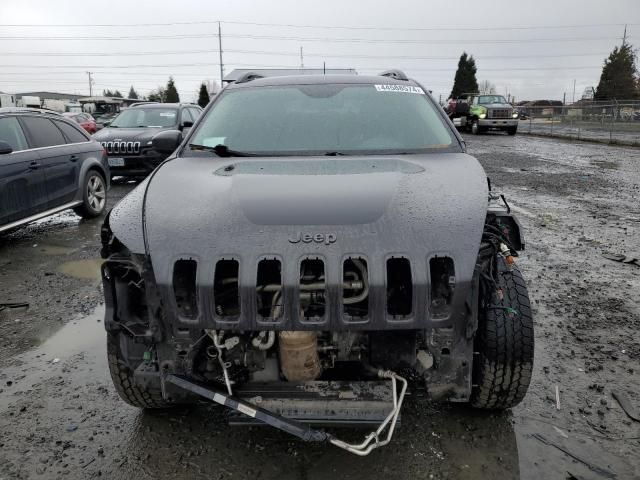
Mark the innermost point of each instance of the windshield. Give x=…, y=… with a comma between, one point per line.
x=146, y=117
x=321, y=119
x=485, y=99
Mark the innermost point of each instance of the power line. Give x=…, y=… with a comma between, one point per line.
x=260, y=52
x=403, y=41
x=332, y=27
x=306, y=39
x=505, y=69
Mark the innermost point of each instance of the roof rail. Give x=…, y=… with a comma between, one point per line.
x=28, y=110
x=247, y=77
x=397, y=74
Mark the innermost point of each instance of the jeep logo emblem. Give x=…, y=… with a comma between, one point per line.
x=326, y=238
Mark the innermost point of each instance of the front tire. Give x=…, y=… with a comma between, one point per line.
x=512, y=130
x=476, y=129
x=504, y=344
x=94, y=195
x=121, y=369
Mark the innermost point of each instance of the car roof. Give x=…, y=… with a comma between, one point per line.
x=321, y=80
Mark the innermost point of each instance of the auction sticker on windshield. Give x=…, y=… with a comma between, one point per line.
x=399, y=88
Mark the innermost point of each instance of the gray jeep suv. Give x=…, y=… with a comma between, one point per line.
x=316, y=246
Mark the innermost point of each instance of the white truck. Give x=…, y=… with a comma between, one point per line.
x=7, y=100
x=29, y=101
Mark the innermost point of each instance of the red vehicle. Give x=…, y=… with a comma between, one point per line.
x=85, y=120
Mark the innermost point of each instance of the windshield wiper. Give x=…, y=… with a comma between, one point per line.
x=221, y=150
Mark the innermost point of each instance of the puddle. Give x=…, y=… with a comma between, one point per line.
x=56, y=250
x=83, y=269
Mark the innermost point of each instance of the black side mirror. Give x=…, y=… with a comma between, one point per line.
x=5, y=148
x=167, y=141
x=187, y=124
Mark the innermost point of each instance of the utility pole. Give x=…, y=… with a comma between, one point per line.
x=301, y=58
x=90, y=84
x=573, y=97
x=220, y=54
x=624, y=36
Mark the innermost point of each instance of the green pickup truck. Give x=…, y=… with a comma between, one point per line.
x=479, y=113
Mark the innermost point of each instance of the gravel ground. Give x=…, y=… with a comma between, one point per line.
x=61, y=418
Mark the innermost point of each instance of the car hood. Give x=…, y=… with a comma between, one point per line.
x=210, y=209
x=127, y=134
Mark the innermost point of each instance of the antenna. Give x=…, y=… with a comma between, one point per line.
x=301, y=58
x=220, y=55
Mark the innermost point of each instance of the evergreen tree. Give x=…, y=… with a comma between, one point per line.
x=117, y=94
x=465, y=80
x=203, y=96
x=133, y=94
x=171, y=93
x=618, y=79
x=107, y=93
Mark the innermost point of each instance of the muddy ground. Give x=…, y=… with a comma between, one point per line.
x=61, y=418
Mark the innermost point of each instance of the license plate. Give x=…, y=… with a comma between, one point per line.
x=116, y=162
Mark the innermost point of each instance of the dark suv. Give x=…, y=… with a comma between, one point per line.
x=128, y=138
x=48, y=164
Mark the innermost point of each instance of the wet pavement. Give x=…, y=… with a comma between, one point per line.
x=61, y=418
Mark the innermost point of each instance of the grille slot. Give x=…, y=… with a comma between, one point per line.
x=399, y=288
x=443, y=281
x=184, y=287
x=269, y=289
x=355, y=289
x=313, y=286
x=226, y=291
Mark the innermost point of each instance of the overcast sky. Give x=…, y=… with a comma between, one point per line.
x=530, y=49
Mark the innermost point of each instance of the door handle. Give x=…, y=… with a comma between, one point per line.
x=34, y=165
x=74, y=158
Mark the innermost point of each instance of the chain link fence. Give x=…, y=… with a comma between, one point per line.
x=605, y=122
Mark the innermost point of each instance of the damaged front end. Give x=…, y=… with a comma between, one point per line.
x=300, y=326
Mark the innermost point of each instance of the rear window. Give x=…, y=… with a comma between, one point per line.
x=42, y=132
x=317, y=119
x=146, y=117
x=73, y=134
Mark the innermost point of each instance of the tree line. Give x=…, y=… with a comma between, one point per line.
x=164, y=94
x=619, y=80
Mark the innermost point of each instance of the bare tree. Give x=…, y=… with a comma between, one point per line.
x=212, y=87
x=487, y=87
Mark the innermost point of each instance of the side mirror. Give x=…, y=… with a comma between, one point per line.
x=187, y=124
x=5, y=148
x=167, y=141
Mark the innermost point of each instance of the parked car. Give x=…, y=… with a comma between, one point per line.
x=85, y=120
x=128, y=137
x=48, y=164
x=312, y=246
